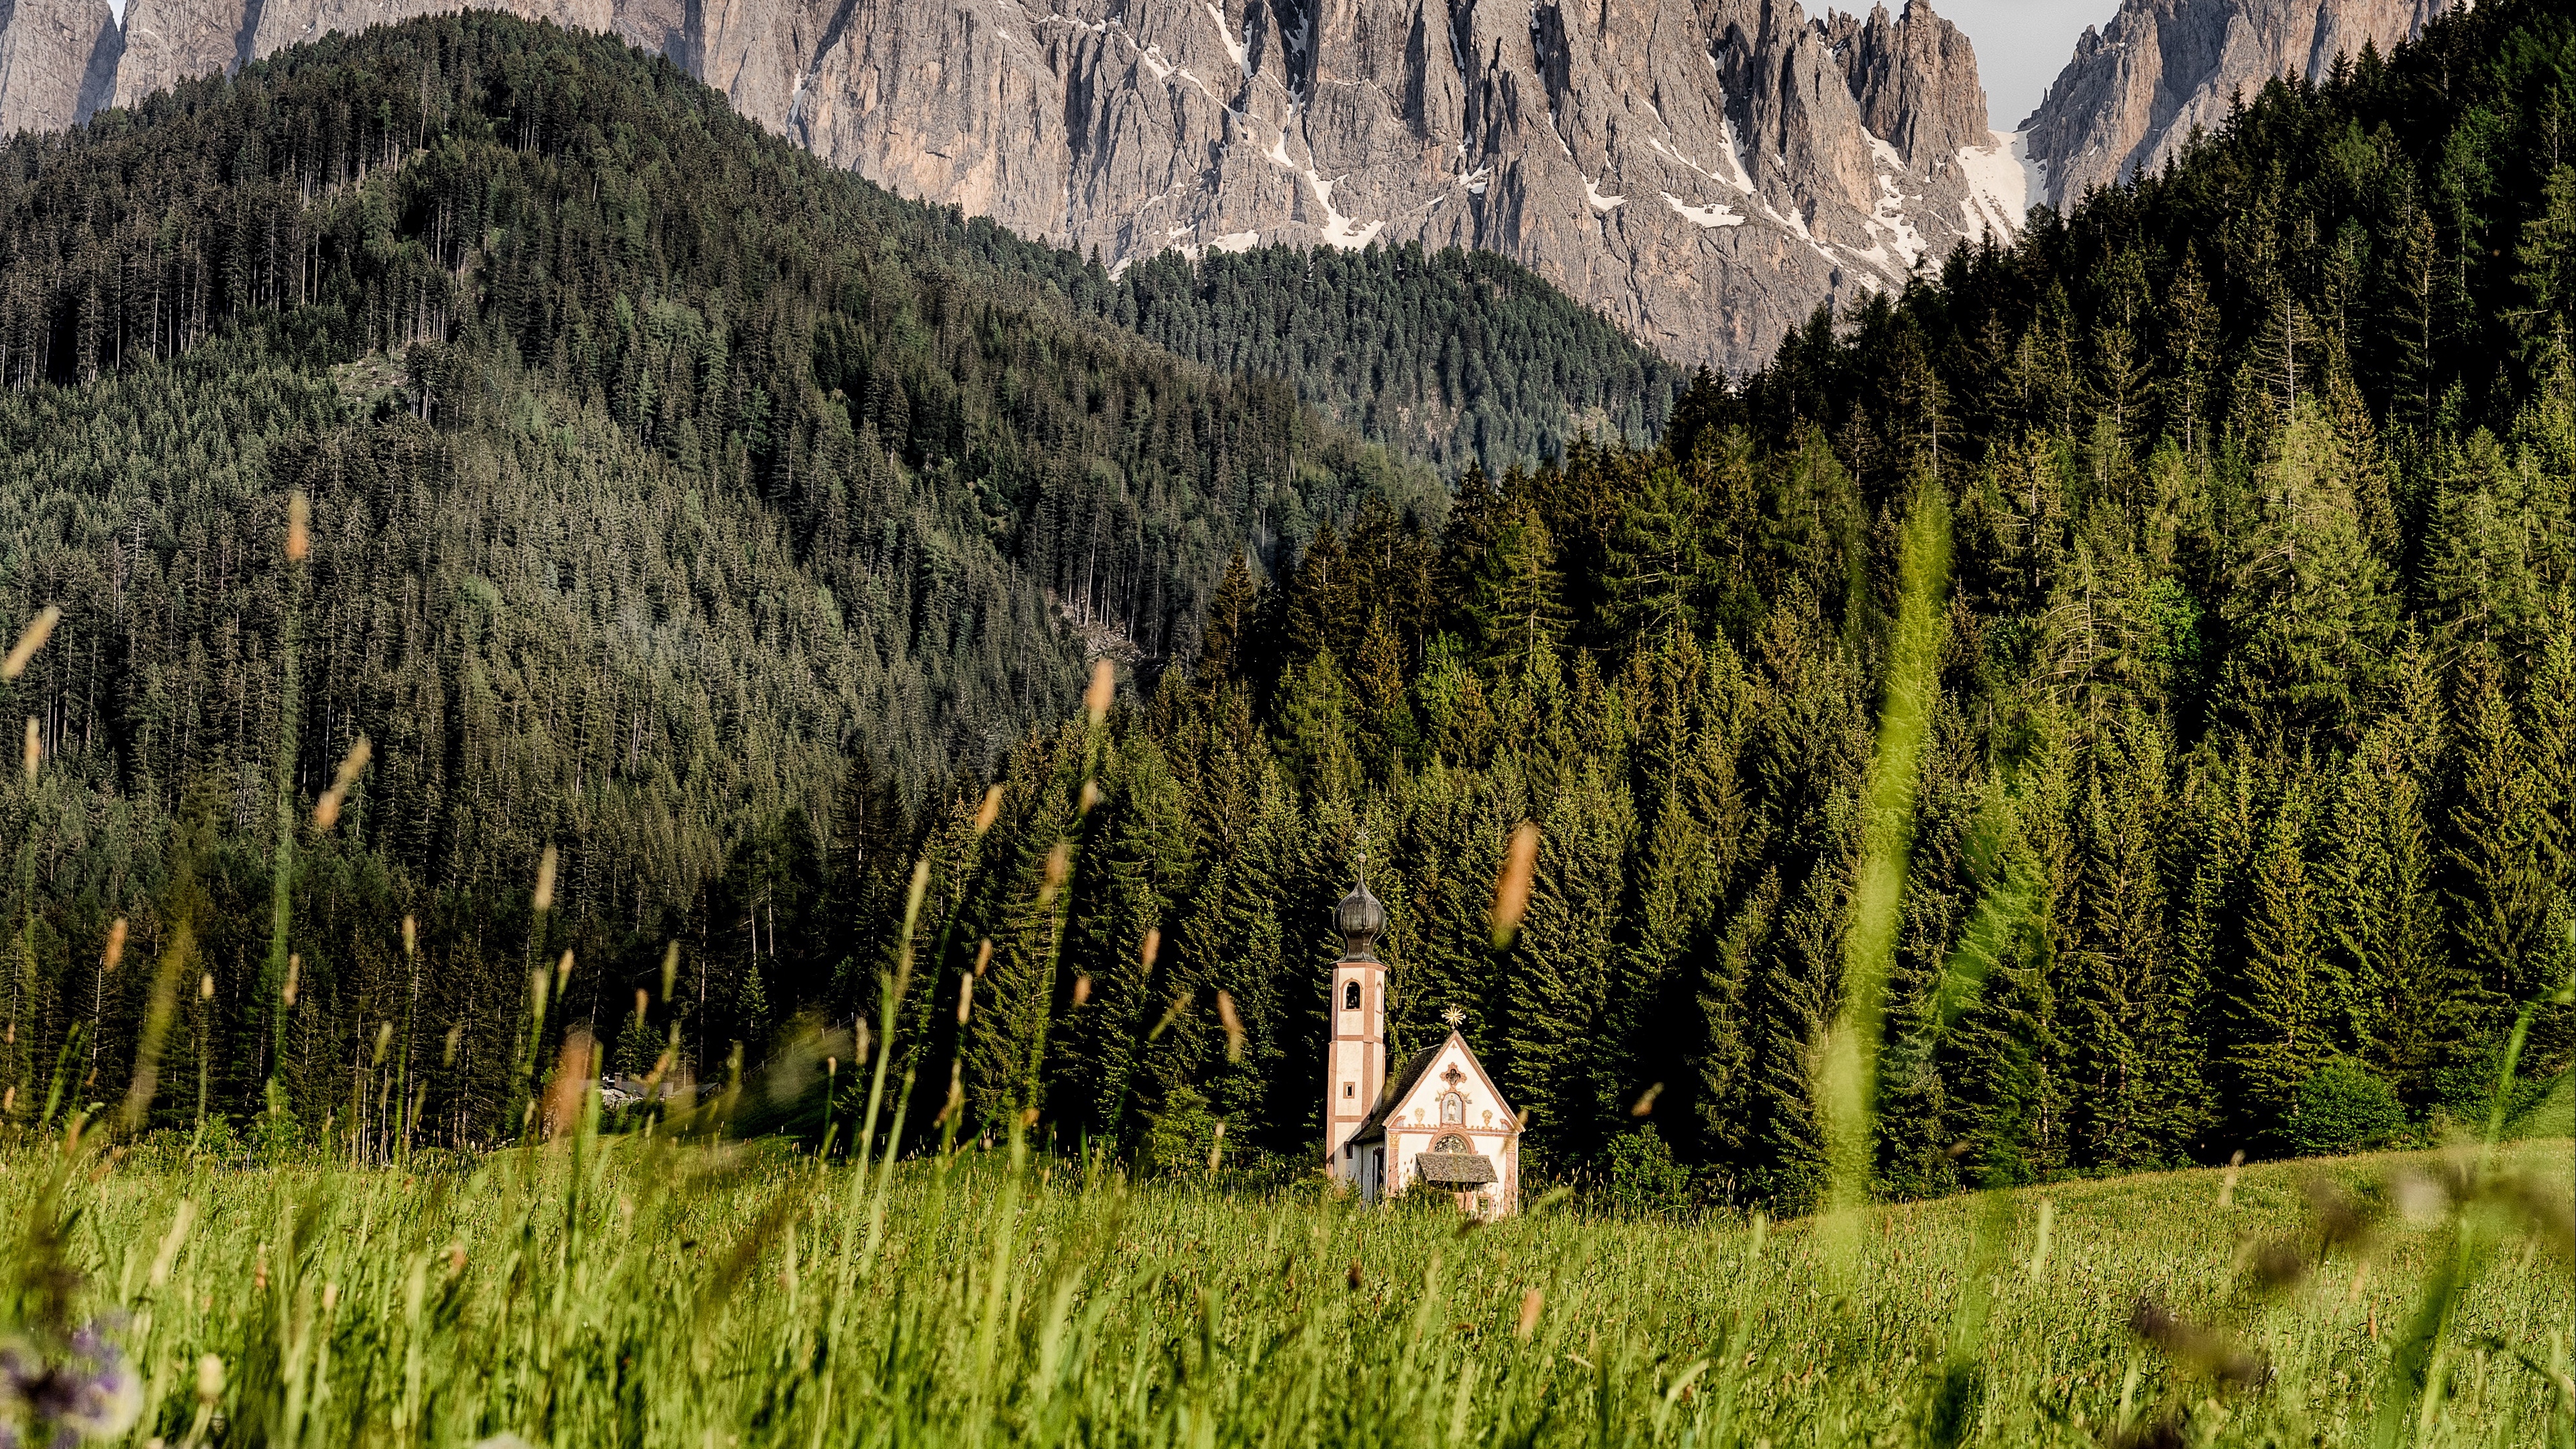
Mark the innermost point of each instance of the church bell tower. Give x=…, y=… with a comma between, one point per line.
x=1355, y=1053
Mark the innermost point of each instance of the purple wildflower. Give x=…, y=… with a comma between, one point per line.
x=89, y=1392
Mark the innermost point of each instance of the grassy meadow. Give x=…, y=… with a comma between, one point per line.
x=629, y=1290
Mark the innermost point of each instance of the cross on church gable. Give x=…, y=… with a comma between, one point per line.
x=1453, y=1076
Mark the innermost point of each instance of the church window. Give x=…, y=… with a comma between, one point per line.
x=1453, y=1143
x=1453, y=1108
x=1350, y=1089
x=1350, y=996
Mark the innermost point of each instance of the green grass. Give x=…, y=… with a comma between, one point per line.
x=626, y=1291
x=2553, y=1115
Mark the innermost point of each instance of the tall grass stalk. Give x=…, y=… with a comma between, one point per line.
x=1847, y=1074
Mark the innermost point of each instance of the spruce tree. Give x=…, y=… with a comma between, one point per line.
x=2119, y=958
x=1563, y=1066
x=2278, y=1006
x=2503, y=892
x=1657, y=562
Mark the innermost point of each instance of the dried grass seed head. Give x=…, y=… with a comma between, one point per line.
x=30, y=639
x=1512, y=886
x=326, y=811
x=1233, y=1026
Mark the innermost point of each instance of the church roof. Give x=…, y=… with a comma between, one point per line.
x=1401, y=1086
x=1397, y=1089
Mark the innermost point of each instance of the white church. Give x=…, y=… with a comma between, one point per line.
x=1440, y=1125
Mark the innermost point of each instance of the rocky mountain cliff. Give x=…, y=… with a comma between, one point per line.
x=2138, y=86
x=1705, y=172
x=57, y=62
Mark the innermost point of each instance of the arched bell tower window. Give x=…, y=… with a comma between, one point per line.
x=1453, y=1108
x=1350, y=996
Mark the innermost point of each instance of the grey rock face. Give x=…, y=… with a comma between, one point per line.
x=57, y=62
x=2136, y=89
x=1915, y=79
x=168, y=41
x=1706, y=172
x=1699, y=170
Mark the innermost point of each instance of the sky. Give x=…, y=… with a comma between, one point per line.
x=2021, y=44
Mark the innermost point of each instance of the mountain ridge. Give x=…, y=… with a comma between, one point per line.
x=2138, y=87
x=1704, y=172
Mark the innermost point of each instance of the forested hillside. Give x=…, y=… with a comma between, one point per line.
x=655, y=473
x=706, y=475
x=2244, y=823
x=1462, y=357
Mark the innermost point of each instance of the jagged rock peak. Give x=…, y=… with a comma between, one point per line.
x=2137, y=87
x=1915, y=79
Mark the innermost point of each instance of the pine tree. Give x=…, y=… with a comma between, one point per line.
x=1519, y=598
x=637, y=1047
x=2382, y=911
x=1563, y=1067
x=1225, y=642
x=2545, y=267
x=2309, y=614
x=1656, y=561
x=1797, y=993
x=2502, y=894
x=1386, y=726
x=1727, y=1050
x=2278, y=1007
x=1316, y=739
x=2120, y=967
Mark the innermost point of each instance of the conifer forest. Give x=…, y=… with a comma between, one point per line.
x=534, y=553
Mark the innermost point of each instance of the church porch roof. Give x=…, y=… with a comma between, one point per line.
x=1454, y=1169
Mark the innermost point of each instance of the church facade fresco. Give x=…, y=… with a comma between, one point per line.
x=1439, y=1124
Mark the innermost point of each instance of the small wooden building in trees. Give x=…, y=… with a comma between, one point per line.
x=1440, y=1125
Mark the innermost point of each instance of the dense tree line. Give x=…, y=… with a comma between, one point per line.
x=1461, y=357
x=2244, y=823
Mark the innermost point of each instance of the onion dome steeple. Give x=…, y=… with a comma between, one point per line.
x=1360, y=918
